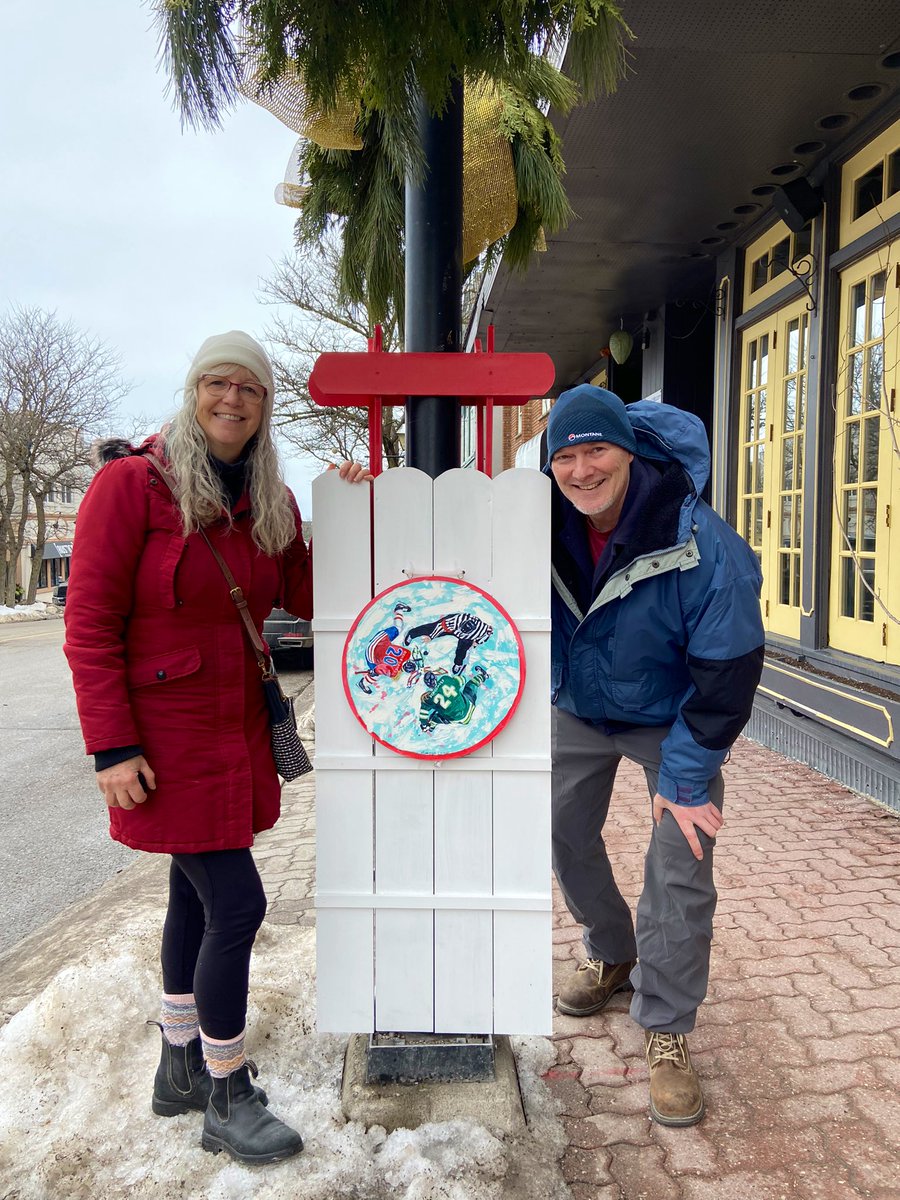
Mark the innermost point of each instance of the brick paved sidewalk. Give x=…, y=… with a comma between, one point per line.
x=797, y=1044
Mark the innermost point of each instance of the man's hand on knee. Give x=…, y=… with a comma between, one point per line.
x=705, y=816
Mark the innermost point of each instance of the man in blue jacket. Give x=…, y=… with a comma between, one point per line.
x=657, y=651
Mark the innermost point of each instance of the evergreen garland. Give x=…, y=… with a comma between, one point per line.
x=393, y=51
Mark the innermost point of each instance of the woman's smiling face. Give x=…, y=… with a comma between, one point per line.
x=229, y=421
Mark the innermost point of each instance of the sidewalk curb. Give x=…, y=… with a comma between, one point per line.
x=31, y=964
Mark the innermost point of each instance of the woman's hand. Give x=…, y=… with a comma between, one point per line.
x=354, y=472
x=120, y=785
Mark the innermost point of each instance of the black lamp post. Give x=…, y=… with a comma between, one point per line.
x=434, y=280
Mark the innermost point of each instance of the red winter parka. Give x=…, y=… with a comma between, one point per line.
x=160, y=657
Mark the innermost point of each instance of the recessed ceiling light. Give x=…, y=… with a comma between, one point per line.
x=696, y=254
x=785, y=169
x=743, y=209
x=726, y=225
x=764, y=189
x=866, y=91
x=711, y=241
x=891, y=62
x=834, y=121
x=808, y=147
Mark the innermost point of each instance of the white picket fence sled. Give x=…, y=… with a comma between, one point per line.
x=433, y=880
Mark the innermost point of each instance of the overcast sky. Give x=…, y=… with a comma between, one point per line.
x=146, y=236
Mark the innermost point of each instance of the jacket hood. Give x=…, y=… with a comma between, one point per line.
x=665, y=433
x=105, y=450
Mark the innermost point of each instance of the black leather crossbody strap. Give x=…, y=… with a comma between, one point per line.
x=237, y=595
x=235, y=590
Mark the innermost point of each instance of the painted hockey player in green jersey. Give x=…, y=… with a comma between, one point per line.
x=450, y=699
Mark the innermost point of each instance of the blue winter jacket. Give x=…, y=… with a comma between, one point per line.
x=666, y=630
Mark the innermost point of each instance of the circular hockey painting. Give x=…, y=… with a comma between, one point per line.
x=433, y=667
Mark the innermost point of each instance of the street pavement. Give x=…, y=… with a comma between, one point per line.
x=796, y=1045
x=54, y=849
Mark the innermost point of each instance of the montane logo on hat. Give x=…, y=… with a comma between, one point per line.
x=600, y=437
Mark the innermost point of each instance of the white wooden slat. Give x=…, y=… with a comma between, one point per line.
x=403, y=535
x=456, y=903
x=462, y=526
x=404, y=938
x=462, y=534
x=403, y=526
x=350, y=762
x=344, y=971
x=338, y=731
x=345, y=832
x=523, y=980
x=463, y=863
x=522, y=940
x=528, y=731
x=342, y=579
x=522, y=834
x=520, y=576
x=345, y=952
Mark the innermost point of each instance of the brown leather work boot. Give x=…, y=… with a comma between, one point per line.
x=675, y=1095
x=593, y=986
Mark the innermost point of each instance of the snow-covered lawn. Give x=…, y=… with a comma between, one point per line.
x=78, y=1064
x=40, y=611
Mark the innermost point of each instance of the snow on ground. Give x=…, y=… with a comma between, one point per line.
x=29, y=612
x=78, y=1065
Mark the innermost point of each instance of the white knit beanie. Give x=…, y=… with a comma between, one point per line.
x=235, y=347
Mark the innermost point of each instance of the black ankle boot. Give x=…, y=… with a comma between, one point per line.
x=182, y=1081
x=236, y=1121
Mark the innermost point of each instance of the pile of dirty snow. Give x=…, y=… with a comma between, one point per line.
x=29, y=612
x=78, y=1065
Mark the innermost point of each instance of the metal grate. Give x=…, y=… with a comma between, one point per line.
x=843, y=764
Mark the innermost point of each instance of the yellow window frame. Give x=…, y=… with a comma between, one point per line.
x=879, y=150
x=763, y=247
x=773, y=409
x=864, y=603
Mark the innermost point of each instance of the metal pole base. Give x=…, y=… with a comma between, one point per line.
x=432, y=1057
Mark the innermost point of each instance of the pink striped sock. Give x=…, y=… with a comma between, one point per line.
x=179, y=1020
x=223, y=1057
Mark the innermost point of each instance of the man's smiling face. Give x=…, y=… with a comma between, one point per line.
x=594, y=476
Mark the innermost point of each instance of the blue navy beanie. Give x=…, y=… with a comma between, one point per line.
x=588, y=414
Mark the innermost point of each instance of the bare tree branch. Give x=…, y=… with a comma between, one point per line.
x=59, y=388
x=325, y=323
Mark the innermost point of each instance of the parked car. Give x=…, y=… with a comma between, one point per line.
x=59, y=595
x=289, y=638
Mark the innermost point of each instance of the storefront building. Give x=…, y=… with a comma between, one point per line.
x=738, y=215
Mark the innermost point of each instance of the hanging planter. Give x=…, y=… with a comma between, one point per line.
x=620, y=345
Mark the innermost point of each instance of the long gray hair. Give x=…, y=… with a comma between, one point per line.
x=200, y=494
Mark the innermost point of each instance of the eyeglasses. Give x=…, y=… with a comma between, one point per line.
x=253, y=393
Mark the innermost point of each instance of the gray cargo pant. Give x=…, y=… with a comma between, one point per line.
x=675, y=910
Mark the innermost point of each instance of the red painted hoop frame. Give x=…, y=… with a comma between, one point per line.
x=519, y=645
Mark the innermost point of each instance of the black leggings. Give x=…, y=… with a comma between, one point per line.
x=216, y=906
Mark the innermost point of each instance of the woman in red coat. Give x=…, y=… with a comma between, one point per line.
x=172, y=708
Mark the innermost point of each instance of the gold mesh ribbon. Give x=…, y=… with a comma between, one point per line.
x=490, y=200
x=285, y=98
x=291, y=195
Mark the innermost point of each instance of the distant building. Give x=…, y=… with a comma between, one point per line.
x=60, y=510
